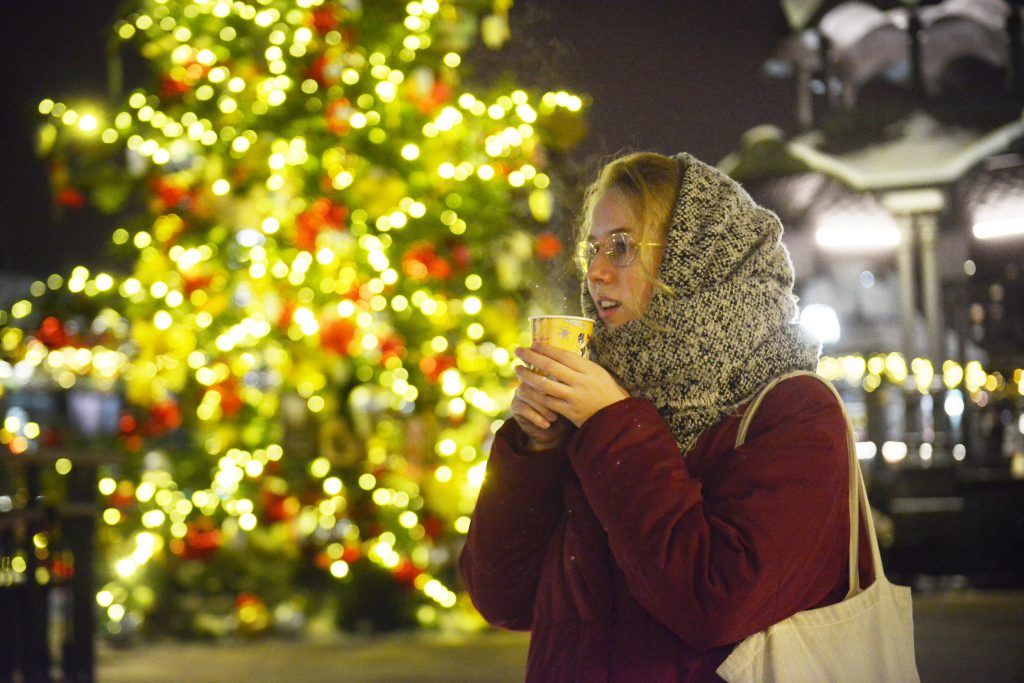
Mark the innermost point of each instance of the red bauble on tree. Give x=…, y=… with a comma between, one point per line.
x=70, y=197
x=171, y=88
x=163, y=417
x=426, y=91
x=326, y=69
x=284, y=318
x=202, y=541
x=336, y=335
x=433, y=366
x=422, y=261
x=406, y=573
x=391, y=347
x=548, y=246
x=338, y=114
x=322, y=215
x=52, y=334
x=171, y=195
x=460, y=254
x=194, y=282
x=325, y=19
x=230, y=401
x=278, y=507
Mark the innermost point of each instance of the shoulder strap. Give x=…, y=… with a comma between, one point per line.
x=858, y=495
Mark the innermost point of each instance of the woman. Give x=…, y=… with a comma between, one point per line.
x=617, y=521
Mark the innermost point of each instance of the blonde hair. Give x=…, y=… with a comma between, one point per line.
x=648, y=183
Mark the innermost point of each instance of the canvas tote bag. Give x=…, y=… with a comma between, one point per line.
x=867, y=637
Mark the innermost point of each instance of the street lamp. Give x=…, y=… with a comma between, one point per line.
x=822, y=322
x=997, y=228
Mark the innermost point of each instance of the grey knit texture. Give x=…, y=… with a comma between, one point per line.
x=730, y=322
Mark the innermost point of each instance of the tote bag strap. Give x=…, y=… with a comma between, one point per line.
x=858, y=495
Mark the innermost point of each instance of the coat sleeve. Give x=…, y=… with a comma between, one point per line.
x=518, y=509
x=720, y=559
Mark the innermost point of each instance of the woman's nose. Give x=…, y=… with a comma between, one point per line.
x=601, y=269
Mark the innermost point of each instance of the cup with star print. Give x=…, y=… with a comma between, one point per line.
x=568, y=332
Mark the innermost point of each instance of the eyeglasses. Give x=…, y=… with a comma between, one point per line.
x=619, y=247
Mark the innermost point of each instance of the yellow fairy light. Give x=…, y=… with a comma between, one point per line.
x=153, y=518
x=162, y=320
x=952, y=374
x=332, y=486
x=206, y=57
x=896, y=367
x=21, y=309
x=87, y=123
x=974, y=376
x=385, y=91
x=410, y=152
x=923, y=374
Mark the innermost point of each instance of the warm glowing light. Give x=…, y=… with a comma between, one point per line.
x=998, y=228
x=857, y=232
x=894, y=451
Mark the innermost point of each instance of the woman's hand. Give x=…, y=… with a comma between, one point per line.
x=567, y=384
x=543, y=427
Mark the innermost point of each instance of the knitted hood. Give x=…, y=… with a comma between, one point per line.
x=728, y=325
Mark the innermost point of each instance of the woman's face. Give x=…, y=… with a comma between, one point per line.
x=620, y=293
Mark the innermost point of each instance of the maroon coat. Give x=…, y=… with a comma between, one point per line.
x=630, y=563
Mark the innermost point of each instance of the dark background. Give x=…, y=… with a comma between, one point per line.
x=664, y=75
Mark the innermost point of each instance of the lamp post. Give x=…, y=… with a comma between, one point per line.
x=916, y=212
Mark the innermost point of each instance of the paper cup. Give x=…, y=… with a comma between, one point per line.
x=568, y=332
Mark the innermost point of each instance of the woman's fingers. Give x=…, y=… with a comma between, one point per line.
x=536, y=401
x=545, y=365
x=568, y=359
x=522, y=409
x=540, y=384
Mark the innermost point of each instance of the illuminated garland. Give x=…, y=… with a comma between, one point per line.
x=871, y=372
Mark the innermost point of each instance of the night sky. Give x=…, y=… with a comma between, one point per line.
x=666, y=76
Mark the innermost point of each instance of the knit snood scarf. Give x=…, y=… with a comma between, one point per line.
x=728, y=325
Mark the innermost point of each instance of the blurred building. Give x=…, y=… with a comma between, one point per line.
x=903, y=201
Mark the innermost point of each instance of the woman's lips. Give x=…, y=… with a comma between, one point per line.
x=605, y=313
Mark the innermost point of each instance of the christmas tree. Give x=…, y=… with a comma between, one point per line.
x=329, y=240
